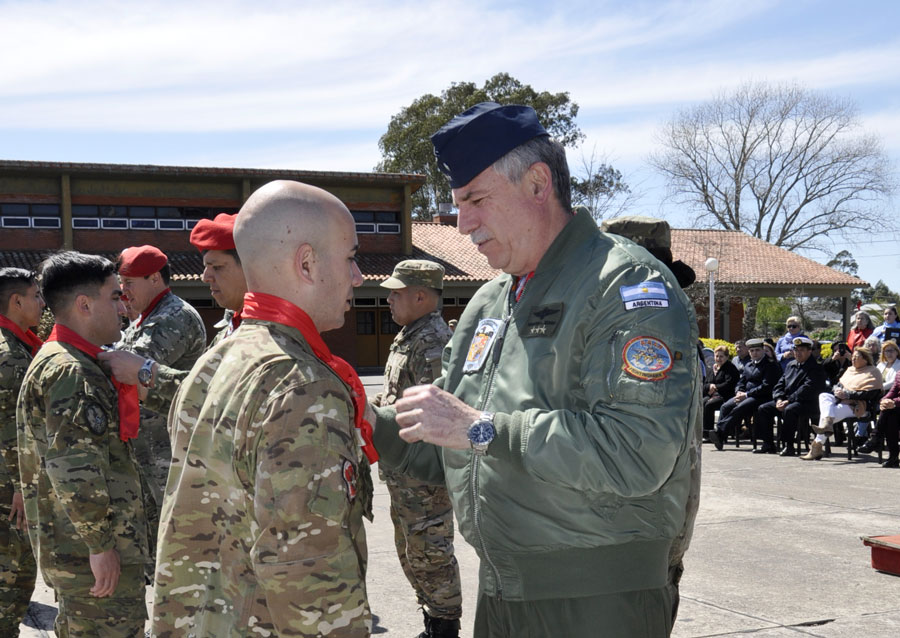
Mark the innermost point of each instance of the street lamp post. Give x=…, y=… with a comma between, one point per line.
x=712, y=265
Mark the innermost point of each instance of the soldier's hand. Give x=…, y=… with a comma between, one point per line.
x=124, y=365
x=427, y=413
x=17, y=511
x=106, y=570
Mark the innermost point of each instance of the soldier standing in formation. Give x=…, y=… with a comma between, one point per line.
x=170, y=336
x=262, y=521
x=421, y=512
x=80, y=480
x=222, y=269
x=21, y=305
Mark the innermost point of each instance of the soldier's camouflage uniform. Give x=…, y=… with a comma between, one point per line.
x=262, y=532
x=17, y=566
x=224, y=328
x=421, y=513
x=172, y=335
x=82, y=491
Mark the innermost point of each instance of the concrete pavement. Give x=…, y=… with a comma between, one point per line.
x=776, y=552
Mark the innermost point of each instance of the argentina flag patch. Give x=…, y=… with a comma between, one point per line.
x=647, y=294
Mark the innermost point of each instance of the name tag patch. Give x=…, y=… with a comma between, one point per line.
x=647, y=358
x=543, y=320
x=647, y=294
x=481, y=344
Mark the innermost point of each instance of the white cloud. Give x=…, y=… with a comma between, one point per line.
x=237, y=65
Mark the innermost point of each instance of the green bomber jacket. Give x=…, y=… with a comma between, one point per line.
x=593, y=380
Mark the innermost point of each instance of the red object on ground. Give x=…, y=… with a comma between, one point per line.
x=885, y=552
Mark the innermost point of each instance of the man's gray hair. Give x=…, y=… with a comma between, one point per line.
x=544, y=149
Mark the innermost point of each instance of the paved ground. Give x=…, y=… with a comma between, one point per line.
x=776, y=553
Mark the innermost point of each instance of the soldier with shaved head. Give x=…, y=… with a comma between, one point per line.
x=262, y=531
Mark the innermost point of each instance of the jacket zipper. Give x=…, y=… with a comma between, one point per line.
x=476, y=509
x=612, y=368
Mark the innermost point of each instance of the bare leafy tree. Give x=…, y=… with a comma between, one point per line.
x=781, y=163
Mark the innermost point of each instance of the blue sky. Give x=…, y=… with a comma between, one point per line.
x=308, y=85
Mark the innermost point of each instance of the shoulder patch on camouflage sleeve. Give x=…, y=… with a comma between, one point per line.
x=96, y=418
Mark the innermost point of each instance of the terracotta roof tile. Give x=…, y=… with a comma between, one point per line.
x=747, y=260
x=742, y=259
x=443, y=244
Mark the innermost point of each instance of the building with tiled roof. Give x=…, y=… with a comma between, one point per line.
x=748, y=261
x=751, y=267
x=103, y=208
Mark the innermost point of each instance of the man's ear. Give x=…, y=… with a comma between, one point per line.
x=305, y=263
x=539, y=182
x=83, y=305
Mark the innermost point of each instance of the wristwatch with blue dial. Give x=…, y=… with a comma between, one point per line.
x=482, y=432
x=145, y=374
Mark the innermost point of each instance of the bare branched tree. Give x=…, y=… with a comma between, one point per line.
x=600, y=188
x=781, y=163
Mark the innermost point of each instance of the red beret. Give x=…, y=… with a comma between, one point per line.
x=214, y=234
x=141, y=261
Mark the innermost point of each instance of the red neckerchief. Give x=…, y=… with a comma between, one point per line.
x=236, y=319
x=25, y=336
x=521, y=282
x=129, y=408
x=258, y=305
x=152, y=305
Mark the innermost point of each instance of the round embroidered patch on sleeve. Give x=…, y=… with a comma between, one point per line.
x=96, y=418
x=647, y=358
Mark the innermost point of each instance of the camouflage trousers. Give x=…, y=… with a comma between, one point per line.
x=121, y=615
x=423, y=533
x=17, y=570
x=153, y=451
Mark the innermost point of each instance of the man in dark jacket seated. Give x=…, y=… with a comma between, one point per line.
x=795, y=397
x=758, y=379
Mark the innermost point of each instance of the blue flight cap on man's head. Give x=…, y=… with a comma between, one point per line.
x=478, y=137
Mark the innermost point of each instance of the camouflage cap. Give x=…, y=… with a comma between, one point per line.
x=654, y=235
x=649, y=232
x=416, y=272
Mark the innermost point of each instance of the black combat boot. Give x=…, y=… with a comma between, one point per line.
x=439, y=628
x=872, y=445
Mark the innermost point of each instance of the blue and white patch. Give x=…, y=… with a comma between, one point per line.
x=647, y=294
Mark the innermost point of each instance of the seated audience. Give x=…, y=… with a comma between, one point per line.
x=890, y=321
x=890, y=362
x=856, y=394
x=784, y=351
x=758, y=379
x=887, y=428
x=837, y=362
x=863, y=328
x=769, y=349
x=873, y=345
x=794, y=398
x=720, y=384
x=742, y=356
